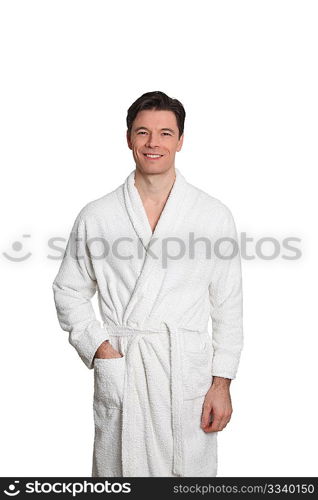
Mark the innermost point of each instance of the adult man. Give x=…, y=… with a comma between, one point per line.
x=161, y=383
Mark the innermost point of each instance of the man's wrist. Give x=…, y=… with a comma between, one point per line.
x=221, y=381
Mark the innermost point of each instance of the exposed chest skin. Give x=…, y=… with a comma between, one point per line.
x=153, y=209
x=153, y=213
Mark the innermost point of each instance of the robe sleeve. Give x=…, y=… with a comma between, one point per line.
x=73, y=287
x=226, y=301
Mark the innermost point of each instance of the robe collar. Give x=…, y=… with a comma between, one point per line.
x=137, y=213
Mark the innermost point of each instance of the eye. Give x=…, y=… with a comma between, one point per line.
x=141, y=132
x=166, y=133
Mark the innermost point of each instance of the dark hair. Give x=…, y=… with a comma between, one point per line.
x=156, y=100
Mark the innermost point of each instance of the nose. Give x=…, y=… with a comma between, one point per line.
x=152, y=141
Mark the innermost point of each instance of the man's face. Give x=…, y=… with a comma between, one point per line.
x=154, y=132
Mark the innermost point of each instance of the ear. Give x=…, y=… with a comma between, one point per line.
x=180, y=142
x=128, y=140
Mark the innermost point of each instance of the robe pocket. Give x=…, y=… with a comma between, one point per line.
x=197, y=370
x=109, y=375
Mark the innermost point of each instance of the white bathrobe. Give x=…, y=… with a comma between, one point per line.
x=155, y=294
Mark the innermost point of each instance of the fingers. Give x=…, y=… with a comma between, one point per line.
x=205, y=417
x=218, y=424
x=108, y=352
x=115, y=354
x=211, y=421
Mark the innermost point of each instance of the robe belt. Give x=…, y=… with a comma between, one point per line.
x=176, y=388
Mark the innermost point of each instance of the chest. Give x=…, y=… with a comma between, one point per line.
x=153, y=213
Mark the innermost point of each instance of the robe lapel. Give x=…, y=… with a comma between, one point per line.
x=142, y=297
x=136, y=211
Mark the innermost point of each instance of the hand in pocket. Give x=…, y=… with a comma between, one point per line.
x=106, y=351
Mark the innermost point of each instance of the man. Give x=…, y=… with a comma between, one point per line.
x=161, y=382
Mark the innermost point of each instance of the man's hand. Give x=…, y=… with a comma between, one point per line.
x=106, y=351
x=217, y=406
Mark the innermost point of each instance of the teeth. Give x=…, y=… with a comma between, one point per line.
x=153, y=156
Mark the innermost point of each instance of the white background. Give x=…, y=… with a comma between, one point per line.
x=246, y=72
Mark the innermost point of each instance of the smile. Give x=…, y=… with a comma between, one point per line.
x=152, y=157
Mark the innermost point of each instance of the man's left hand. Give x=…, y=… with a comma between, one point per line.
x=217, y=406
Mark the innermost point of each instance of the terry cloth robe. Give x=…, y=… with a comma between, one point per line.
x=156, y=291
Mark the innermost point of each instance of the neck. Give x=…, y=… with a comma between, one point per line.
x=155, y=188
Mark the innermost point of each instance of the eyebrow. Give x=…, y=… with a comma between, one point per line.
x=165, y=128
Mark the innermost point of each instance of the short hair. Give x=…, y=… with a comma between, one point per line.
x=160, y=101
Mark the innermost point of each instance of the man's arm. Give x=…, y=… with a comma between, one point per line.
x=73, y=288
x=226, y=300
